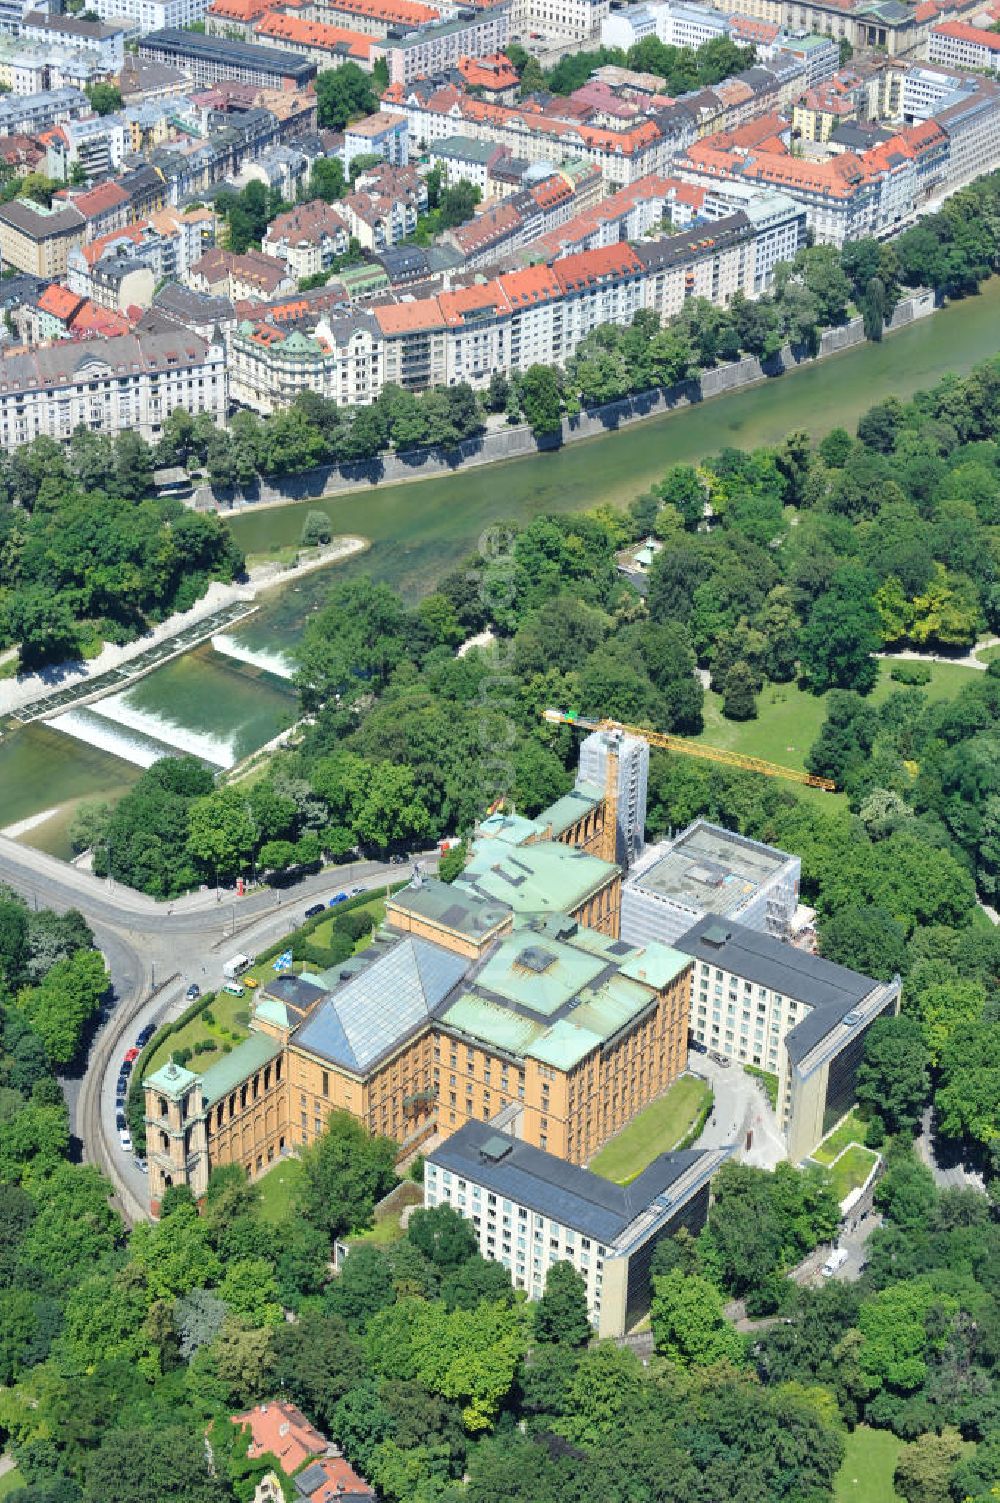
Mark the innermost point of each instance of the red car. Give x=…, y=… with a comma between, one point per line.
x=131, y=1055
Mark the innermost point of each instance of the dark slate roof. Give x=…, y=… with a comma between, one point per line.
x=832, y=991
x=546, y=1184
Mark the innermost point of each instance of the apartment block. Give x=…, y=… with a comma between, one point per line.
x=531, y=1210
x=342, y=360
x=130, y=382
x=381, y=135
x=308, y=238
x=783, y=1010
x=440, y=46
x=560, y=20
x=37, y=239
x=674, y=25
x=326, y=46
x=376, y=18
x=106, y=41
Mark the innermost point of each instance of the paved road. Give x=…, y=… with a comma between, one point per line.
x=154, y=950
x=949, y=1172
x=741, y=1108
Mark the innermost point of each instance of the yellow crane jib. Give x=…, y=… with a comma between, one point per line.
x=692, y=749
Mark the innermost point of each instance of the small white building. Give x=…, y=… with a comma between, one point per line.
x=382, y=135
x=531, y=1210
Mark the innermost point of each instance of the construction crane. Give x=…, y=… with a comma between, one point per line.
x=691, y=748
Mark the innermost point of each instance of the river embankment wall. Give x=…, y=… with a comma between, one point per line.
x=518, y=442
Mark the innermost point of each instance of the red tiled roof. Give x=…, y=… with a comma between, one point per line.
x=588, y=267
x=100, y=199
x=408, y=13
x=409, y=317
x=496, y=72
x=476, y=299
x=60, y=302
x=962, y=32
x=315, y=34
x=534, y=284
x=284, y=1431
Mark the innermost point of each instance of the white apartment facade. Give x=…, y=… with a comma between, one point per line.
x=421, y=54
x=151, y=15
x=958, y=45
x=343, y=360
x=560, y=20
x=129, y=382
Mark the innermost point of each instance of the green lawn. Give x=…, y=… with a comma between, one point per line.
x=851, y=1130
x=987, y=654
x=869, y=1463
x=231, y=1015
x=655, y=1130
x=789, y=719
x=277, y=1190
x=852, y=1169
x=11, y=1483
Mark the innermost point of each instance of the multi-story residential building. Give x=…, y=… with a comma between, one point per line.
x=112, y=385
x=781, y=1009
x=424, y=53
x=819, y=54
x=376, y=18
x=208, y=59
x=37, y=112
x=971, y=125
x=531, y=1210
x=384, y=207
x=560, y=20
x=151, y=15
x=958, y=45
x=105, y=40
x=308, y=238
x=341, y=360
x=38, y=240
x=709, y=872
x=382, y=135
x=235, y=18
x=168, y=243
x=465, y=160
x=435, y=112
x=222, y=273
x=494, y=77
x=326, y=46
x=106, y=207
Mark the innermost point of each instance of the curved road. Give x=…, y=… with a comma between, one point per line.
x=153, y=951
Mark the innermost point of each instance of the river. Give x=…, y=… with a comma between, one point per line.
x=223, y=704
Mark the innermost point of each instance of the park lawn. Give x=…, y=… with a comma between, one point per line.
x=852, y=1169
x=869, y=1463
x=230, y=1028
x=987, y=654
x=655, y=1130
x=11, y=1483
x=789, y=719
x=851, y=1130
x=278, y=1188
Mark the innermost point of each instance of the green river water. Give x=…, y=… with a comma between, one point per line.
x=222, y=706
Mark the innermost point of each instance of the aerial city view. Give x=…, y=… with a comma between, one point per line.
x=500, y=751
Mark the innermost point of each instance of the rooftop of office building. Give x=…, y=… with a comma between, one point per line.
x=707, y=869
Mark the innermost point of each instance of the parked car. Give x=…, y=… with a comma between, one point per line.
x=338, y=897
x=145, y=1034
x=120, y=1103
x=235, y=989
x=125, y=1139
x=120, y=1121
x=719, y=1059
x=141, y=1165
x=355, y=892
x=251, y=982
x=315, y=908
x=697, y=1046
x=131, y=1055
x=193, y=993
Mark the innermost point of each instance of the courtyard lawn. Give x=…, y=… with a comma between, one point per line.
x=869, y=1463
x=657, y=1129
x=231, y=1016
x=789, y=719
x=851, y=1130
x=851, y=1170
x=323, y=932
x=277, y=1190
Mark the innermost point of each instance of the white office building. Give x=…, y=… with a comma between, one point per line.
x=531, y=1210
x=709, y=871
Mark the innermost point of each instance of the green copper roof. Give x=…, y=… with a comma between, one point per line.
x=171, y=1080
x=511, y=829
x=232, y=1069
x=556, y=1000
x=656, y=964
x=272, y=1010
x=543, y=878
x=581, y=800
x=451, y=906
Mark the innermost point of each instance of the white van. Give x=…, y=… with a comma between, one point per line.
x=235, y=967
x=234, y=989
x=836, y=1260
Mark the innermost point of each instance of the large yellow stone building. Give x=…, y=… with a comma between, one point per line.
x=462, y=1008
